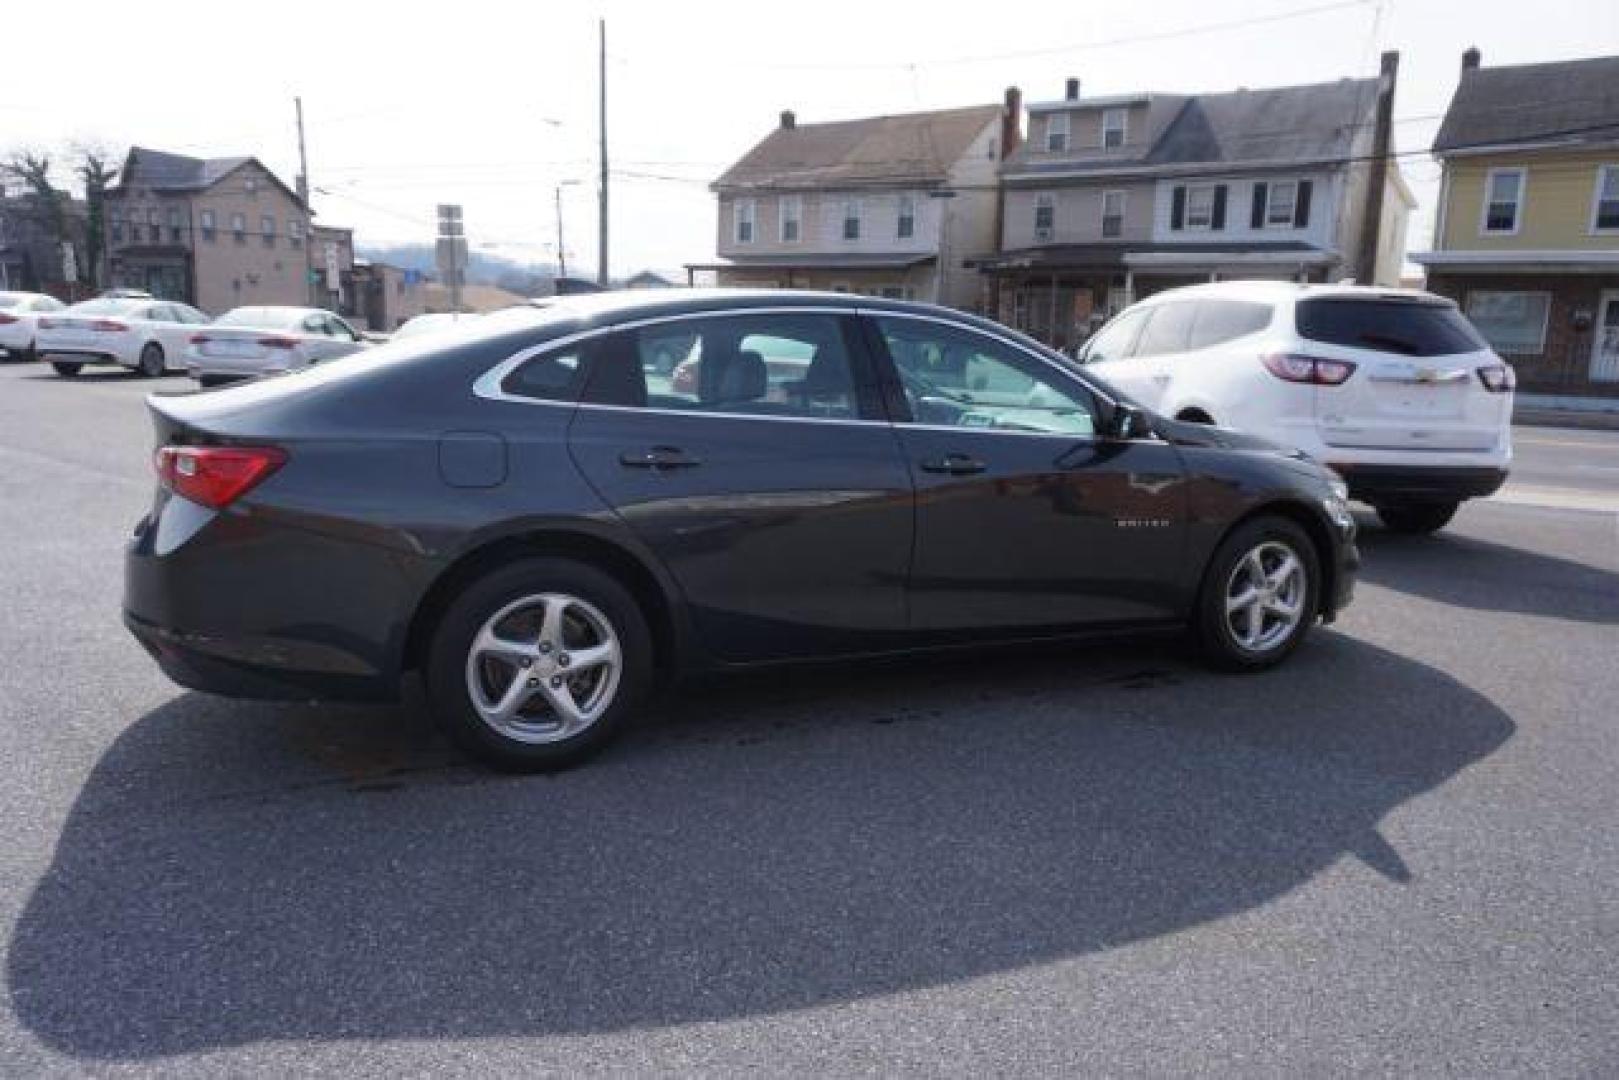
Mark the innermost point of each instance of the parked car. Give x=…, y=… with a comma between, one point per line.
x=521, y=516
x=145, y=336
x=126, y=294
x=249, y=341
x=433, y=323
x=19, y=322
x=1393, y=388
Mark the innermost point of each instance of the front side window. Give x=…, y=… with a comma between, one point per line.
x=1116, y=340
x=954, y=377
x=1283, y=202
x=743, y=212
x=1503, y=198
x=763, y=365
x=1200, y=206
x=1168, y=329
x=851, y=219
x=1606, y=214
x=1512, y=322
x=907, y=217
x=1113, y=128
x=792, y=218
x=1057, y=133
x=1112, y=213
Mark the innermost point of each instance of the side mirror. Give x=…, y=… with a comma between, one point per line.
x=1127, y=422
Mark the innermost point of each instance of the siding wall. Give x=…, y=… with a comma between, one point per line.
x=1320, y=232
x=1078, y=213
x=1085, y=134
x=1556, y=213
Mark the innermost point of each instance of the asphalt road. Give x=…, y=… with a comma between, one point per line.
x=1399, y=854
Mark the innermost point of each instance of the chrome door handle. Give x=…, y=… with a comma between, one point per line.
x=953, y=464
x=658, y=457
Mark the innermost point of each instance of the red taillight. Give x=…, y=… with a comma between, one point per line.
x=1498, y=378
x=109, y=326
x=216, y=476
x=278, y=343
x=6, y=320
x=200, y=339
x=1308, y=369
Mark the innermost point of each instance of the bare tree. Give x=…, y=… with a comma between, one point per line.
x=97, y=170
x=33, y=170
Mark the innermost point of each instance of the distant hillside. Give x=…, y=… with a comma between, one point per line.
x=483, y=268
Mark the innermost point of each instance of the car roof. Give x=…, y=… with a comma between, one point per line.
x=1290, y=292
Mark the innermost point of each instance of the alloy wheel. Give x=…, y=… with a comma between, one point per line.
x=1265, y=596
x=544, y=668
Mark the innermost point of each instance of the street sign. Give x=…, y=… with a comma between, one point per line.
x=450, y=251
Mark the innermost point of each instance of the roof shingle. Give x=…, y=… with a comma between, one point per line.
x=1572, y=100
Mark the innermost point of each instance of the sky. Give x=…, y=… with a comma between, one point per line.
x=493, y=105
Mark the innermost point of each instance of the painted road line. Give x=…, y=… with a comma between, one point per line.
x=1557, y=498
x=1611, y=446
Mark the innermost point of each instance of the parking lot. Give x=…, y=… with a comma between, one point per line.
x=1394, y=854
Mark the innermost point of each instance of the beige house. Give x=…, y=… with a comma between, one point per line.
x=217, y=233
x=1527, y=234
x=888, y=205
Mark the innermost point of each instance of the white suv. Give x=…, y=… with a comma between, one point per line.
x=1393, y=388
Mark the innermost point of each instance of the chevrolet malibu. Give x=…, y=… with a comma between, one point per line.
x=544, y=533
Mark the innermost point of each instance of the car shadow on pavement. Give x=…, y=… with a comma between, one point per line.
x=235, y=872
x=1460, y=570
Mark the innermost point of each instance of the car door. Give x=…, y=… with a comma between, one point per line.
x=170, y=329
x=1108, y=353
x=1026, y=517
x=766, y=480
x=1160, y=351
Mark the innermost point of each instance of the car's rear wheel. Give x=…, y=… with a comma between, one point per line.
x=66, y=368
x=1416, y=518
x=152, y=364
x=1260, y=595
x=536, y=665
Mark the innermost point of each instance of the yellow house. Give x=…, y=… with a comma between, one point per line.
x=1527, y=234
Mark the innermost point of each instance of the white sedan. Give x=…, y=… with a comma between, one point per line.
x=249, y=341
x=142, y=335
x=19, y=322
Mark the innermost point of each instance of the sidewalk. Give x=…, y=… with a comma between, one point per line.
x=1553, y=410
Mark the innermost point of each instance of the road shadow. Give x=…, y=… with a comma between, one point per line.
x=234, y=873
x=1455, y=569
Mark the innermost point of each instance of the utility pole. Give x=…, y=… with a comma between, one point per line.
x=562, y=250
x=303, y=196
x=601, y=239
x=1377, y=172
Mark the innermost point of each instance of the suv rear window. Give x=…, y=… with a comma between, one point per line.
x=1404, y=327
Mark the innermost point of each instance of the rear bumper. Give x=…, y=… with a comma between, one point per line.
x=83, y=356
x=1418, y=483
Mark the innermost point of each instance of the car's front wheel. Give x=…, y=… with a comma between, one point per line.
x=536, y=665
x=1260, y=595
x=66, y=368
x=152, y=362
x=1417, y=518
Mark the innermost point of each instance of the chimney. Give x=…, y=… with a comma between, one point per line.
x=788, y=120
x=1011, y=122
x=1470, y=59
x=1072, y=92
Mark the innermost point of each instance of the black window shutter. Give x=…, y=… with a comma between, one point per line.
x=1301, y=208
x=1177, y=210
x=1260, y=191
x=1219, y=207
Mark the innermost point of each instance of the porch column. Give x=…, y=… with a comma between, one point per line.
x=1129, y=287
x=1051, y=326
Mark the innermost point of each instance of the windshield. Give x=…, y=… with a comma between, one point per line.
x=105, y=307
x=1403, y=327
x=264, y=318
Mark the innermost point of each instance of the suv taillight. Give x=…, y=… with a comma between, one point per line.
x=216, y=476
x=1308, y=369
x=1498, y=378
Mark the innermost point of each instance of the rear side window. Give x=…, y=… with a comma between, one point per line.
x=1403, y=327
x=1169, y=330
x=557, y=375
x=1220, y=321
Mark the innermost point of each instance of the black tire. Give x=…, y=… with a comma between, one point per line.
x=152, y=363
x=66, y=368
x=31, y=354
x=1216, y=638
x=446, y=674
x=209, y=381
x=1417, y=519
x=1195, y=416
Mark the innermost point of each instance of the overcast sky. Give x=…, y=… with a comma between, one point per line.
x=493, y=104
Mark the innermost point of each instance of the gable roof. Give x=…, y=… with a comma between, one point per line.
x=1314, y=122
x=160, y=170
x=1568, y=100
x=915, y=147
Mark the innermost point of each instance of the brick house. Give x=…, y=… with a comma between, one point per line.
x=1527, y=234
x=32, y=257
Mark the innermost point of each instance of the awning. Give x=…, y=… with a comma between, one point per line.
x=796, y=261
x=1519, y=262
x=1078, y=258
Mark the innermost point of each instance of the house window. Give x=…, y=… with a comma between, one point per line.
x=1605, y=217
x=252, y=185
x=743, y=212
x=907, y=217
x=238, y=227
x=267, y=230
x=1503, y=200
x=851, y=220
x=792, y=219
x=115, y=226
x=206, y=221
x=175, y=232
x=1112, y=213
x=295, y=232
x=1045, y=216
x=1057, y=133
x=1512, y=322
x=1113, y=126
x=1283, y=202
x=1200, y=206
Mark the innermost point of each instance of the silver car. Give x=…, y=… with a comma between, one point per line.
x=250, y=341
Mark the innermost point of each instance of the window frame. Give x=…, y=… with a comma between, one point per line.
x=905, y=220
x=1604, y=172
x=1045, y=202
x=1063, y=131
x=1123, y=128
x=267, y=229
x=794, y=203
x=1186, y=220
x=744, y=212
x=206, y=223
x=238, y=227
x=1545, y=319
x=1270, y=205
x=856, y=218
x=1522, y=173
x=1124, y=203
